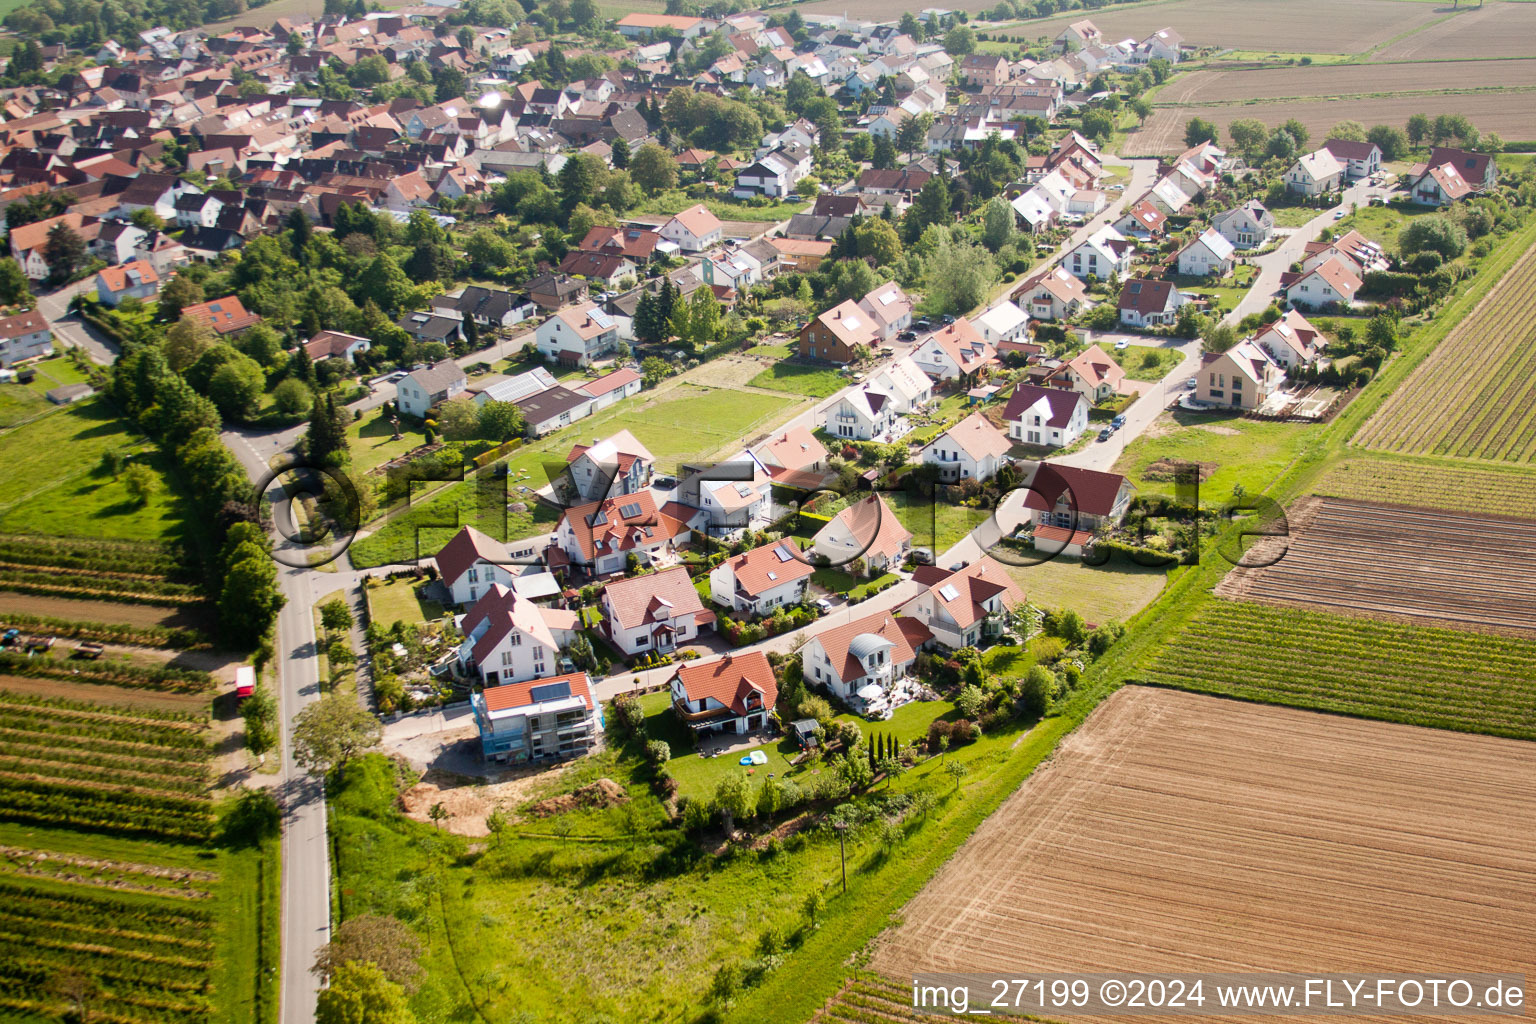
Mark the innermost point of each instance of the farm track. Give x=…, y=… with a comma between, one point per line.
x=1177, y=832
x=1472, y=397
x=1468, y=571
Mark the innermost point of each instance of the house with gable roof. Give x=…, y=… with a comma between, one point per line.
x=224, y=316
x=876, y=650
x=835, y=334
x=1360, y=159
x=1315, y=173
x=657, y=612
x=611, y=466
x=775, y=575
x=509, y=639
x=1150, y=303
x=1092, y=373
x=794, y=458
x=1248, y=226
x=576, y=335
x=1450, y=175
x=1142, y=221
x=133, y=280
x=1049, y=417
x=1068, y=504
x=1291, y=341
x=972, y=449
x=1101, y=254
x=1333, y=282
x=1208, y=255
x=470, y=562
x=1003, y=322
x=867, y=529
x=733, y=694
x=967, y=606
x=553, y=718
x=1052, y=294
x=954, y=352
x=601, y=535
x=1242, y=377
x=420, y=390
x=23, y=336
x=336, y=345
x=889, y=309
x=694, y=229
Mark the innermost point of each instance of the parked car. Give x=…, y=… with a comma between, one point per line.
x=907, y=336
x=824, y=605
x=1105, y=434
x=1338, y=214
x=922, y=556
x=946, y=319
x=665, y=483
x=9, y=637
x=1191, y=384
x=1122, y=345
x=1117, y=423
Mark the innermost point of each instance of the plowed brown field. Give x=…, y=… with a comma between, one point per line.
x=1470, y=571
x=1176, y=832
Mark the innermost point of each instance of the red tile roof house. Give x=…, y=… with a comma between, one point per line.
x=1331, y=283
x=1092, y=373
x=226, y=316
x=872, y=651
x=957, y=351
x=537, y=720
x=134, y=280
x=601, y=535
x=731, y=694
x=510, y=639
x=794, y=459
x=609, y=467
x=1292, y=340
x=971, y=449
x=1049, y=417
x=470, y=562
x=1069, y=505
x=867, y=530
x=694, y=229
x=1449, y=175
x=835, y=334
x=965, y=607
x=756, y=582
x=1146, y=303
x=658, y=612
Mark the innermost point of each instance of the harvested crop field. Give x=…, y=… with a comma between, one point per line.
x=1321, y=80
x=1179, y=832
x=1299, y=26
x=1495, y=30
x=1509, y=113
x=103, y=611
x=1474, y=397
x=1498, y=490
x=1389, y=561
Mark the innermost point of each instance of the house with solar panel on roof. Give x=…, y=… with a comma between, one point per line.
x=756, y=582
x=549, y=719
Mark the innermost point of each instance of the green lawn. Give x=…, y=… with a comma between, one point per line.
x=908, y=722
x=1293, y=216
x=839, y=582
x=402, y=601
x=1116, y=590
x=675, y=201
x=369, y=440
x=1382, y=224
x=934, y=523
x=681, y=423
x=53, y=482
x=20, y=402
x=1148, y=363
x=1225, y=292
x=800, y=379
x=779, y=351
x=1250, y=453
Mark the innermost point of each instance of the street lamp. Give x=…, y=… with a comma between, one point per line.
x=842, y=829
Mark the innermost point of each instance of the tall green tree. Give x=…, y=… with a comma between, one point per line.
x=331, y=732
x=259, y=712
x=64, y=252
x=327, y=435
x=359, y=993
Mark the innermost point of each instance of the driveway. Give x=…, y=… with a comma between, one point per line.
x=70, y=329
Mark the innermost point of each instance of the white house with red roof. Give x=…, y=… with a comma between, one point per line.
x=1208, y=255
x=1248, y=226
x=867, y=529
x=1092, y=373
x=694, y=229
x=731, y=694
x=601, y=535
x=508, y=638
x=952, y=352
x=576, y=335
x=336, y=345
x=964, y=607
x=471, y=562
x=1143, y=221
x=24, y=336
x=611, y=387
x=873, y=651
x=756, y=582
x=1068, y=504
x=1360, y=159
x=136, y=279
x=1149, y=303
x=554, y=718
x=608, y=467
x=1291, y=340
x=659, y=612
x=733, y=495
x=1052, y=294
x=1049, y=417
x=1332, y=282
x=794, y=458
x=1101, y=254
x=972, y=449
x=1449, y=175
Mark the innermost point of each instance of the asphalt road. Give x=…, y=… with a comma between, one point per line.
x=72, y=331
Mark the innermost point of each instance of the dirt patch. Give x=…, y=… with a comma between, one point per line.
x=470, y=803
x=113, y=695
x=1177, y=832
x=101, y=611
x=1169, y=469
x=1217, y=428
x=602, y=793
